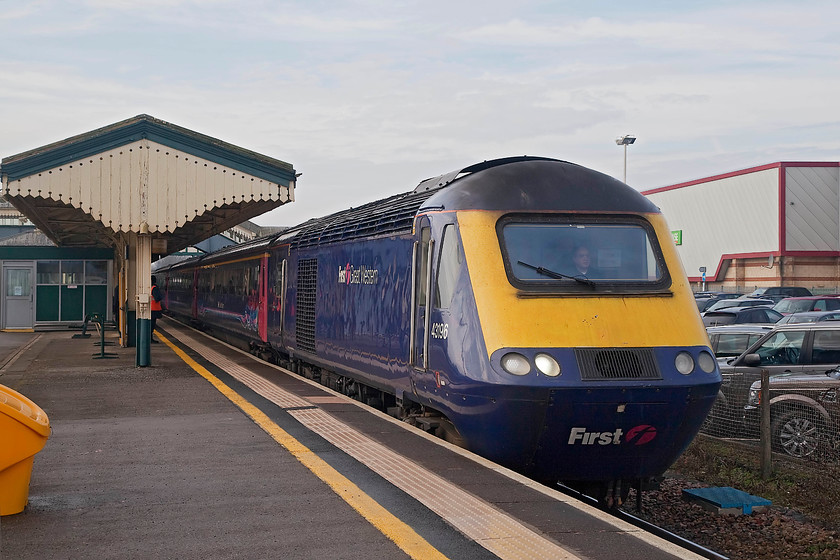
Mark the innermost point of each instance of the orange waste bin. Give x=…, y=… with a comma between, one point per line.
x=24, y=429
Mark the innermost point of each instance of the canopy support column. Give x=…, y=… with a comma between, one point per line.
x=143, y=296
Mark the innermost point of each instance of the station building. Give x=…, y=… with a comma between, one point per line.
x=43, y=286
x=111, y=201
x=772, y=225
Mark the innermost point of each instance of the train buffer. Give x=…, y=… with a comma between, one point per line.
x=726, y=500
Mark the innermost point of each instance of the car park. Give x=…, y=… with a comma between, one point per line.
x=809, y=317
x=778, y=293
x=808, y=348
x=730, y=341
x=739, y=302
x=804, y=412
x=736, y=315
x=808, y=303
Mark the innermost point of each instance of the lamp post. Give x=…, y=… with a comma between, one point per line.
x=625, y=141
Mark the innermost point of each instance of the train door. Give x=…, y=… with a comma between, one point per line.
x=262, y=313
x=420, y=297
x=277, y=299
x=194, y=292
x=437, y=266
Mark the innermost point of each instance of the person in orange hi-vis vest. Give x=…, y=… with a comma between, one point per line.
x=157, y=306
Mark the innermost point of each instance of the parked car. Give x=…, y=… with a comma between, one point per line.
x=804, y=412
x=717, y=295
x=730, y=341
x=785, y=349
x=706, y=299
x=810, y=317
x=704, y=303
x=738, y=302
x=778, y=293
x=735, y=315
x=807, y=303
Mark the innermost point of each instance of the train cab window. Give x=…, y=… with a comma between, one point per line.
x=449, y=266
x=621, y=254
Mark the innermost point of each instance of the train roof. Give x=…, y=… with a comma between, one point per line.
x=549, y=184
x=392, y=215
x=231, y=252
x=535, y=184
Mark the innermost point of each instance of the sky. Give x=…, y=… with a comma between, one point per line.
x=367, y=98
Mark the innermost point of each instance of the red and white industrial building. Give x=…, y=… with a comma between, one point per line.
x=772, y=225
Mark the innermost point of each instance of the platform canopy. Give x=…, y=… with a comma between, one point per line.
x=143, y=176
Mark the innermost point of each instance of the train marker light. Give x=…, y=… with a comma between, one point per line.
x=684, y=363
x=707, y=362
x=547, y=365
x=516, y=364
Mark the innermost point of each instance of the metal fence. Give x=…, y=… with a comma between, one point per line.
x=801, y=426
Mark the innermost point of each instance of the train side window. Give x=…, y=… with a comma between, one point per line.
x=278, y=278
x=420, y=289
x=254, y=285
x=449, y=267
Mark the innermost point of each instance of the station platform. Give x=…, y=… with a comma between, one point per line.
x=211, y=453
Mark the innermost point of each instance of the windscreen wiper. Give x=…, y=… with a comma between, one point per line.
x=558, y=275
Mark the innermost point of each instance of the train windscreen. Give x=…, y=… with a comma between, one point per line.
x=568, y=253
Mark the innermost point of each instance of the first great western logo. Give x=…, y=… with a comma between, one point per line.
x=638, y=435
x=350, y=274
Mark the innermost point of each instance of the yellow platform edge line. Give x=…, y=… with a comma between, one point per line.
x=389, y=525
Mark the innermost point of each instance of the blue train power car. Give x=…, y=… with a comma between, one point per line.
x=532, y=310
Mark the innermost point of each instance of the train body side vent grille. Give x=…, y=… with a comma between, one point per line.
x=598, y=364
x=307, y=283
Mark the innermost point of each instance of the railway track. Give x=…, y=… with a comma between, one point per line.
x=644, y=525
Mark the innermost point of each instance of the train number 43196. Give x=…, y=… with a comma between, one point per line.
x=440, y=330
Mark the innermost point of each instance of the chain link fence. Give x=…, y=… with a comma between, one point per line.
x=803, y=419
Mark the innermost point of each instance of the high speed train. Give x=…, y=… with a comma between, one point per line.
x=463, y=306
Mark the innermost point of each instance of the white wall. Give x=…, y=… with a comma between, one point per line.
x=738, y=214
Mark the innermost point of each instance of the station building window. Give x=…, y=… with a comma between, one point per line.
x=47, y=272
x=68, y=290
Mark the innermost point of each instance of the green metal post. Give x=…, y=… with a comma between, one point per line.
x=144, y=342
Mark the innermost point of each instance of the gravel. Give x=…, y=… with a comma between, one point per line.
x=776, y=533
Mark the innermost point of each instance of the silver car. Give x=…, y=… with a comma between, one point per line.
x=807, y=348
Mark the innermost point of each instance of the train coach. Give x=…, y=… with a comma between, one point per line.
x=530, y=309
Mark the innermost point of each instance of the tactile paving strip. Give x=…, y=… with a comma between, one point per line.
x=494, y=530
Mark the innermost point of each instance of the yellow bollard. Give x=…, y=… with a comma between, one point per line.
x=24, y=429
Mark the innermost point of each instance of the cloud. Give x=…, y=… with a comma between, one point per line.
x=366, y=98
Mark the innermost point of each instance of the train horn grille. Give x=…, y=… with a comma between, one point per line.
x=617, y=363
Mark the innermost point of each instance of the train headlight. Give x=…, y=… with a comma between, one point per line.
x=706, y=362
x=547, y=365
x=516, y=364
x=684, y=363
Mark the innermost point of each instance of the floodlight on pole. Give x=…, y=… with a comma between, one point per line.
x=625, y=141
